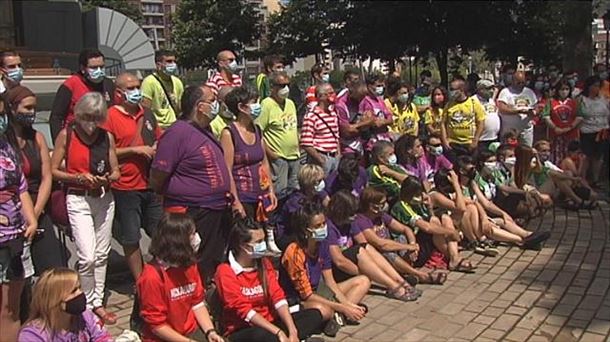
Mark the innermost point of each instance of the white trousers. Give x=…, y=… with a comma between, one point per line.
x=91, y=221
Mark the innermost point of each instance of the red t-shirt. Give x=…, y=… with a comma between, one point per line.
x=169, y=298
x=123, y=126
x=91, y=158
x=242, y=295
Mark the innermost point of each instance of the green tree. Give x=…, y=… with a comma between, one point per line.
x=202, y=28
x=130, y=10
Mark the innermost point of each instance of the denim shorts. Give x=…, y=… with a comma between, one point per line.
x=134, y=210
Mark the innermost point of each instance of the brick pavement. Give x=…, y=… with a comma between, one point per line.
x=559, y=293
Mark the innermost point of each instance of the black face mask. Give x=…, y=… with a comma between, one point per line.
x=76, y=305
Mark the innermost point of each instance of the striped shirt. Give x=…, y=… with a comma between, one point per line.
x=320, y=130
x=310, y=98
x=217, y=81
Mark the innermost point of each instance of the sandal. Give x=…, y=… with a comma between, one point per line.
x=411, y=280
x=408, y=296
x=108, y=318
x=436, y=278
x=464, y=266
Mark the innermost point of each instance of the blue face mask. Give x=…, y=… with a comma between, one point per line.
x=3, y=122
x=258, y=251
x=215, y=110
x=133, y=96
x=171, y=68
x=15, y=75
x=255, y=109
x=320, y=234
x=96, y=75
x=325, y=78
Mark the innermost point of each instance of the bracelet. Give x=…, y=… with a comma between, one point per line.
x=207, y=333
x=279, y=331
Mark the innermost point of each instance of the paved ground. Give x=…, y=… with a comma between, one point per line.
x=559, y=293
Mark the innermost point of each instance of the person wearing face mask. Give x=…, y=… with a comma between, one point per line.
x=254, y=305
x=491, y=125
x=91, y=165
x=404, y=111
x=90, y=77
x=320, y=74
x=373, y=105
x=385, y=172
x=136, y=132
x=170, y=290
x=419, y=163
x=554, y=75
x=517, y=108
x=354, y=127
x=59, y=311
x=422, y=97
x=320, y=131
x=509, y=197
x=307, y=276
x=463, y=122
x=350, y=176
x=350, y=77
x=189, y=170
x=433, y=117
x=11, y=70
x=162, y=90
x=244, y=154
x=278, y=122
x=506, y=75
x=560, y=117
x=271, y=63
x=226, y=73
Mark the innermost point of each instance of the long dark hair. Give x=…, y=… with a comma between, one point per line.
x=171, y=242
x=435, y=106
x=9, y=136
x=402, y=147
x=347, y=171
x=410, y=188
x=302, y=219
x=342, y=206
x=241, y=233
x=560, y=84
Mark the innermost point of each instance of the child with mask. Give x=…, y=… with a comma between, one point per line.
x=307, y=276
x=254, y=305
x=404, y=111
x=170, y=289
x=508, y=196
x=58, y=311
x=561, y=120
x=385, y=172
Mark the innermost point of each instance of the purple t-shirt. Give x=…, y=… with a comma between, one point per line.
x=198, y=175
x=348, y=114
x=294, y=202
x=380, y=110
x=12, y=185
x=340, y=236
x=427, y=166
x=378, y=224
x=333, y=185
x=91, y=329
x=248, y=167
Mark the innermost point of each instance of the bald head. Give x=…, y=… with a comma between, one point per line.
x=126, y=80
x=226, y=61
x=518, y=80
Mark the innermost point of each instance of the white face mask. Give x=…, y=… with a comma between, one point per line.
x=325, y=78
x=534, y=162
x=392, y=160
x=510, y=161
x=195, y=242
x=491, y=166
x=320, y=186
x=379, y=90
x=232, y=66
x=283, y=93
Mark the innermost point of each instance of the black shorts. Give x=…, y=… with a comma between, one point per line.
x=590, y=147
x=509, y=202
x=352, y=255
x=134, y=210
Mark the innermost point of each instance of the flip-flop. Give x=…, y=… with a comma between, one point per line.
x=460, y=267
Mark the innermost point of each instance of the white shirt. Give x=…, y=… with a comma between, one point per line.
x=595, y=113
x=492, y=120
x=526, y=99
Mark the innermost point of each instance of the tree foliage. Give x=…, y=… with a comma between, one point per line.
x=128, y=9
x=202, y=28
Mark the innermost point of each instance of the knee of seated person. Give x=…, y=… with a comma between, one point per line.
x=362, y=281
x=326, y=311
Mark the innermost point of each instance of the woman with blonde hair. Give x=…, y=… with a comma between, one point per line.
x=58, y=311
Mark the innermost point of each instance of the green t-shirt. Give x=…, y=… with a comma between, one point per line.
x=487, y=188
x=422, y=101
x=408, y=214
x=160, y=104
x=262, y=85
x=279, y=127
x=388, y=184
x=540, y=177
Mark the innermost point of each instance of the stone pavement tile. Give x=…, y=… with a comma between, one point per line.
x=471, y=331
x=577, y=323
x=503, y=304
x=493, y=333
x=447, y=330
x=499, y=285
x=518, y=334
x=548, y=330
x=590, y=337
x=434, y=323
x=513, y=310
x=599, y=286
x=599, y=326
x=505, y=322
x=416, y=335
x=509, y=295
x=486, y=320
x=370, y=331
x=451, y=309
x=583, y=314
x=484, y=339
x=387, y=335
x=533, y=318
x=577, y=290
x=488, y=296
x=564, y=310
x=476, y=306
x=493, y=312
x=571, y=299
x=463, y=317
x=527, y=298
x=556, y=320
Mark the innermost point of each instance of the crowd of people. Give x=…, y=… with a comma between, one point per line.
x=268, y=224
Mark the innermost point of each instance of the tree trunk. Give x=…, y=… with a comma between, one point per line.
x=441, y=62
x=578, y=42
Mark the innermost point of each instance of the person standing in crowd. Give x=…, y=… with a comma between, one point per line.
x=135, y=132
x=59, y=311
x=244, y=154
x=422, y=98
x=225, y=117
x=491, y=126
x=350, y=77
x=594, y=110
x=91, y=165
x=433, y=117
x=226, y=73
x=404, y=111
x=255, y=308
x=90, y=77
x=600, y=71
x=320, y=131
x=278, y=122
x=516, y=105
x=560, y=117
x=506, y=75
x=11, y=70
x=172, y=296
x=353, y=125
x=18, y=224
x=463, y=124
x=372, y=104
x=271, y=63
x=320, y=74
x=189, y=171
x=162, y=90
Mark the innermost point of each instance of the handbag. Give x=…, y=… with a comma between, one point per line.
x=58, y=210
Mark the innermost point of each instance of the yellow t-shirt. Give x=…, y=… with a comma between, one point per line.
x=433, y=119
x=218, y=124
x=461, y=120
x=405, y=122
x=279, y=127
x=160, y=105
